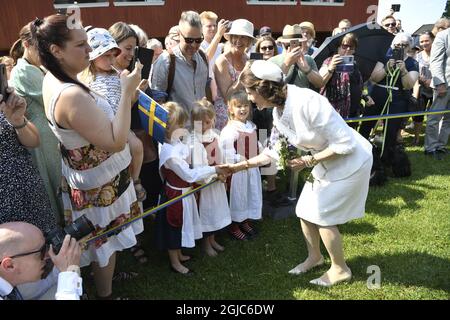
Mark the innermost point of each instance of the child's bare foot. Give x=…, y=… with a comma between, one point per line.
x=216, y=246
x=183, y=258
x=210, y=251
x=180, y=268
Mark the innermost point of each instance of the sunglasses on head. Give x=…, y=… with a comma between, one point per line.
x=192, y=40
x=392, y=24
x=266, y=48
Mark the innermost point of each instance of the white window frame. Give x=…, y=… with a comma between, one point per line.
x=271, y=3
x=139, y=3
x=326, y=4
x=102, y=4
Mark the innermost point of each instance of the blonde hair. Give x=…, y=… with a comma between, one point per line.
x=88, y=75
x=201, y=109
x=208, y=15
x=177, y=115
x=236, y=99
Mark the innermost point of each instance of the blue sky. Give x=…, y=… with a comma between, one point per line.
x=413, y=13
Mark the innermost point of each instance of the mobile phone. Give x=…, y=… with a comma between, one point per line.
x=145, y=56
x=395, y=7
x=346, y=65
x=398, y=54
x=256, y=56
x=3, y=82
x=133, y=61
x=294, y=43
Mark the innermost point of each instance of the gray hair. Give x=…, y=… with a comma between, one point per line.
x=192, y=18
x=402, y=37
x=154, y=43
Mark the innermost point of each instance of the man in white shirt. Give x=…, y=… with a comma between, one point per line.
x=24, y=257
x=211, y=45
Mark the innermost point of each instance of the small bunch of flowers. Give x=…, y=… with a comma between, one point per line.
x=286, y=151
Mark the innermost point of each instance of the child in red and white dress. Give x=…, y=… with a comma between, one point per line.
x=213, y=203
x=179, y=225
x=239, y=142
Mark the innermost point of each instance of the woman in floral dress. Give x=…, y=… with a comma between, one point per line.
x=96, y=156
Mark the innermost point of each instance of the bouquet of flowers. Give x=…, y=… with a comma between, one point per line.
x=286, y=151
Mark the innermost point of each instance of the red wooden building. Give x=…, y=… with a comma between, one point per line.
x=157, y=16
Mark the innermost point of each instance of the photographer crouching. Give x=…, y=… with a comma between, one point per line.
x=394, y=79
x=26, y=257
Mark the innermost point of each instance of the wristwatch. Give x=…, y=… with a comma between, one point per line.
x=74, y=268
x=23, y=125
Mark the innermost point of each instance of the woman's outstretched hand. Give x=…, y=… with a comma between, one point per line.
x=297, y=164
x=224, y=170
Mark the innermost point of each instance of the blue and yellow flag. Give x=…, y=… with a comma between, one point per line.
x=153, y=117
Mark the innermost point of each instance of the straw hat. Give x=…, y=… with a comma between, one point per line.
x=293, y=32
x=310, y=26
x=101, y=42
x=240, y=27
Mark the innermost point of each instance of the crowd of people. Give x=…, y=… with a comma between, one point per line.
x=72, y=144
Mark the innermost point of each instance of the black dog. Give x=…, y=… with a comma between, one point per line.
x=377, y=174
x=397, y=160
x=401, y=166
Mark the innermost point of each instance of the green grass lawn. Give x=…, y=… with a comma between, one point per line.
x=406, y=233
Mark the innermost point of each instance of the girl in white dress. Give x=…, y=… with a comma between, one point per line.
x=179, y=225
x=213, y=203
x=239, y=142
x=341, y=158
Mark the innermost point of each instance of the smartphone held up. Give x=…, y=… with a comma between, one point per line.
x=145, y=56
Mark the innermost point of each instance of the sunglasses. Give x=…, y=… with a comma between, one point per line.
x=42, y=250
x=347, y=47
x=266, y=48
x=393, y=24
x=192, y=40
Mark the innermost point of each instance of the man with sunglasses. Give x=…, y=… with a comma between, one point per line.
x=25, y=259
x=188, y=79
x=390, y=24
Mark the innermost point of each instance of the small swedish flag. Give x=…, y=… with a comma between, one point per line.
x=153, y=117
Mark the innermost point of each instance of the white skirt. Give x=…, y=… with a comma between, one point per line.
x=213, y=209
x=326, y=203
x=246, y=195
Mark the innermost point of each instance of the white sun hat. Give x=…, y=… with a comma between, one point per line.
x=101, y=42
x=240, y=27
x=266, y=70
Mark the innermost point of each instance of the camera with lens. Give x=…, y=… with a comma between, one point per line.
x=80, y=228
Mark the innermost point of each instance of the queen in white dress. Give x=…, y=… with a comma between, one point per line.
x=341, y=157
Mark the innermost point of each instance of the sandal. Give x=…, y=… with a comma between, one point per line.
x=124, y=276
x=238, y=235
x=141, y=194
x=139, y=254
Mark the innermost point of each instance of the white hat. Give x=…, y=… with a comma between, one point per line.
x=266, y=70
x=240, y=27
x=101, y=42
